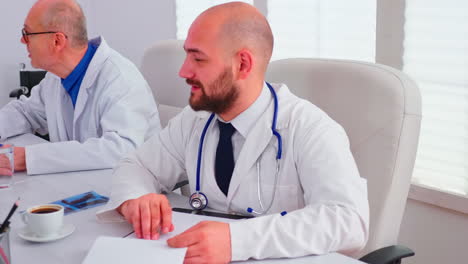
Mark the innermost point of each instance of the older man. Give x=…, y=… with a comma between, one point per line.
x=94, y=103
x=258, y=149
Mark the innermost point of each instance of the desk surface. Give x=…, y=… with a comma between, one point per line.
x=46, y=188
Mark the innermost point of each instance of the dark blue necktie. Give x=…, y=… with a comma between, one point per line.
x=224, y=164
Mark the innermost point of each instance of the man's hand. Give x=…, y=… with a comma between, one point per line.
x=207, y=242
x=150, y=215
x=5, y=166
x=20, y=158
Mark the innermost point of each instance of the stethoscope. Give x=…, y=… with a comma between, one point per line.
x=198, y=199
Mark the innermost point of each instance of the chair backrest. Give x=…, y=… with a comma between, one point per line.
x=160, y=67
x=380, y=109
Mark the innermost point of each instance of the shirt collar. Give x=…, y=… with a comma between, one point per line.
x=79, y=70
x=247, y=119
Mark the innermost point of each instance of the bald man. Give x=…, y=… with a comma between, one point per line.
x=94, y=103
x=260, y=151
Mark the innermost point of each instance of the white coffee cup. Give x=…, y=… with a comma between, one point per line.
x=44, y=220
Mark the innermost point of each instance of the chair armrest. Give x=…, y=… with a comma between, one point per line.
x=388, y=255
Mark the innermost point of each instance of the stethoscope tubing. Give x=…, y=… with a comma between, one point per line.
x=200, y=151
x=278, y=157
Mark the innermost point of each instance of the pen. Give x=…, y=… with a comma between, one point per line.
x=7, y=219
x=80, y=200
x=6, y=230
x=99, y=201
x=4, y=256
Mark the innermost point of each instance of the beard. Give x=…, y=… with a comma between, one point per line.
x=223, y=94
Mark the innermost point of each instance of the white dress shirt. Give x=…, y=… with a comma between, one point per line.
x=243, y=123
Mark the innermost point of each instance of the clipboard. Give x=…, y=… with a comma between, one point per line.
x=209, y=213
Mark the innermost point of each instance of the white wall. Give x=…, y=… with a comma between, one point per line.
x=437, y=235
x=12, y=52
x=130, y=30
x=389, y=33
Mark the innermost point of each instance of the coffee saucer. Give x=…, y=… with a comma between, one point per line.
x=65, y=231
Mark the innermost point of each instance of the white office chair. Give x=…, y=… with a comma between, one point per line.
x=380, y=109
x=160, y=67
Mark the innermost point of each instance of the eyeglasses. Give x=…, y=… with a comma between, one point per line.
x=27, y=34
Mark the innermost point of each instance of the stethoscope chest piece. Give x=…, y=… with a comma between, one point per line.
x=198, y=201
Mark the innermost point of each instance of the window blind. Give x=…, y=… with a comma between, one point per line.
x=436, y=57
x=188, y=10
x=340, y=29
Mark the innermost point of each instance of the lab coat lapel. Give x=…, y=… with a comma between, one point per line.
x=83, y=94
x=256, y=142
x=101, y=54
x=80, y=104
x=64, y=117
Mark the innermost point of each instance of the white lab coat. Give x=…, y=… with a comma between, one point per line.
x=115, y=112
x=319, y=184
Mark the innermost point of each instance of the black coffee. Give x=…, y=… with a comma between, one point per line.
x=44, y=210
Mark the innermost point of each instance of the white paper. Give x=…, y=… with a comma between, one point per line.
x=118, y=250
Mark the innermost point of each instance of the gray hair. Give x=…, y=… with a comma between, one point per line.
x=69, y=19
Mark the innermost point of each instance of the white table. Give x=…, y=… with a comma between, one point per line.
x=47, y=188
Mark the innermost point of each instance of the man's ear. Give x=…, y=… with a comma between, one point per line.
x=245, y=63
x=60, y=41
